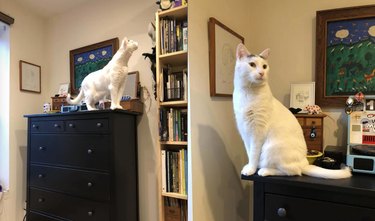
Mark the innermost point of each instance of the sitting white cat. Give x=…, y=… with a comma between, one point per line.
x=109, y=81
x=273, y=138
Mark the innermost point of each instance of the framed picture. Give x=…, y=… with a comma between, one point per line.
x=131, y=85
x=302, y=94
x=222, y=55
x=30, y=77
x=63, y=89
x=88, y=59
x=345, y=57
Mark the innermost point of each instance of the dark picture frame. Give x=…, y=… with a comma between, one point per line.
x=88, y=59
x=223, y=43
x=30, y=77
x=344, y=63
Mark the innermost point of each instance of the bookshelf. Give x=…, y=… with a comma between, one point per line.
x=172, y=88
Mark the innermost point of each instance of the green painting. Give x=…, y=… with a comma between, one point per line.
x=350, y=66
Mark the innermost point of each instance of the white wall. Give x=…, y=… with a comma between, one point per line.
x=27, y=37
x=216, y=150
x=100, y=20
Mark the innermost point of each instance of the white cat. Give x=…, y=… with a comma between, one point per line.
x=109, y=81
x=272, y=136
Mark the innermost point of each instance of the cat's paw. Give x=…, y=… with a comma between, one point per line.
x=248, y=170
x=264, y=172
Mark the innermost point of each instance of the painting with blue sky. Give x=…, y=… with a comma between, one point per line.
x=350, y=66
x=87, y=62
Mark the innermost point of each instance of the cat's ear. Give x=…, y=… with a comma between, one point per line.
x=241, y=51
x=265, y=53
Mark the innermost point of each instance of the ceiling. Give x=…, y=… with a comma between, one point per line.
x=49, y=8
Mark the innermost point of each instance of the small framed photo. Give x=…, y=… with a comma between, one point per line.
x=63, y=89
x=302, y=94
x=30, y=79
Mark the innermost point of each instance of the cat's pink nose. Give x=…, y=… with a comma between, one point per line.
x=261, y=74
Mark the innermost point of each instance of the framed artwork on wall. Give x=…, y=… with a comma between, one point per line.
x=302, y=94
x=88, y=59
x=30, y=77
x=345, y=54
x=222, y=57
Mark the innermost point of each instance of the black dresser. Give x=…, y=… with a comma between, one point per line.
x=82, y=166
x=312, y=199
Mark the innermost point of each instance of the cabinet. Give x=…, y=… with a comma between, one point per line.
x=82, y=166
x=312, y=126
x=172, y=88
x=310, y=199
x=57, y=102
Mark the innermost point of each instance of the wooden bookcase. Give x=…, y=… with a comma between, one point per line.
x=172, y=92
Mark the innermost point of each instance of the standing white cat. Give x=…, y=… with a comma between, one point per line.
x=108, y=81
x=272, y=136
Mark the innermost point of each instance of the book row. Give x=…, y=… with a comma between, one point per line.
x=173, y=35
x=174, y=171
x=174, y=85
x=173, y=124
x=175, y=209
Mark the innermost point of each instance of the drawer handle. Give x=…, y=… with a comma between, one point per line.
x=40, y=176
x=89, y=151
x=40, y=200
x=35, y=126
x=41, y=148
x=71, y=125
x=99, y=124
x=281, y=212
x=56, y=126
x=90, y=213
x=89, y=184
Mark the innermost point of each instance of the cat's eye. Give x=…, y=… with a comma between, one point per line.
x=264, y=66
x=252, y=64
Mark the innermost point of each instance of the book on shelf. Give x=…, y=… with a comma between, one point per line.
x=174, y=171
x=173, y=124
x=173, y=35
x=175, y=209
x=174, y=84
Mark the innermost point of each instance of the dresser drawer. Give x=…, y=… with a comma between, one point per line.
x=285, y=208
x=314, y=143
x=46, y=126
x=87, y=184
x=67, y=207
x=84, y=151
x=39, y=217
x=89, y=125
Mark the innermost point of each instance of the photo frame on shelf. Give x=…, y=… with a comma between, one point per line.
x=131, y=85
x=302, y=94
x=344, y=54
x=88, y=59
x=63, y=89
x=30, y=77
x=222, y=57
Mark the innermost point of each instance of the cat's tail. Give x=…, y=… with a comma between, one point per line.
x=76, y=100
x=315, y=171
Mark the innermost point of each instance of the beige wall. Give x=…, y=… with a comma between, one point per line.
x=217, y=153
x=27, y=36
